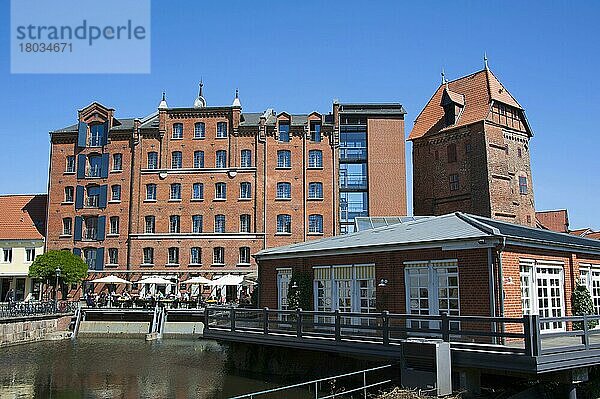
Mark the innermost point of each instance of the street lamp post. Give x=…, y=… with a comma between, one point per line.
x=57, y=272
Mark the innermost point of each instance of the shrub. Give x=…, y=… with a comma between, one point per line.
x=583, y=305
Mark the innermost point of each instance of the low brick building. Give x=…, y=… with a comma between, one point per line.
x=457, y=263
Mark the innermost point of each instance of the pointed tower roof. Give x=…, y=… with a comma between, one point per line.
x=476, y=92
x=200, y=102
x=163, y=102
x=236, y=100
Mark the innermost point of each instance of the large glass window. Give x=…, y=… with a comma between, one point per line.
x=353, y=143
x=542, y=291
x=353, y=176
x=284, y=190
x=284, y=159
x=353, y=204
x=284, y=276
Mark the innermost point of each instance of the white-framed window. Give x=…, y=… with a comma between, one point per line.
x=67, y=226
x=284, y=132
x=148, y=256
x=113, y=256
x=117, y=162
x=115, y=192
x=151, y=192
x=315, y=159
x=284, y=224
x=284, y=190
x=177, y=131
x=199, y=130
x=590, y=278
x=246, y=159
x=198, y=159
x=315, y=131
x=284, y=276
x=114, y=225
x=219, y=223
x=153, y=160
x=195, y=256
x=315, y=190
x=173, y=258
x=244, y=256
x=176, y=160
x=198, y=191
x=218, y=256
x=70, y=164
x=69, y=194
x=542, y=291
x=197, y=224
x=220, y=191
x=175, y=192
x=245, y=190
x=245, y=223
x=150, y=224
x=284, y=159
x=221, y=159
x=315, y=224
x=221, y=129
x=432, y=288
x=174, y=224
x=29, y=254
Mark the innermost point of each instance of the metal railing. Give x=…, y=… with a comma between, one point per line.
x=316, y=385
x=23, y=309
x=529, y=335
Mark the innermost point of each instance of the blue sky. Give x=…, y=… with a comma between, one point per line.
x=298, y=56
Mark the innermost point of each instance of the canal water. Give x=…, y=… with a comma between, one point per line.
x=124, y=368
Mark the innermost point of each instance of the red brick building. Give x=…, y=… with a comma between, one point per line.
x=197, y=190
x=471, y=152
x=557, y=220
x=457, y=263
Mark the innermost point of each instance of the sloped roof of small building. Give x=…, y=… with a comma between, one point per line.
x=432, y=231
x=23, y=217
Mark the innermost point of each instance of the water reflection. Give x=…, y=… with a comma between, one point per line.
x=121, y=368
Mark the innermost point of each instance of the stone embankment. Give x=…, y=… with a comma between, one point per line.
x=33, y=328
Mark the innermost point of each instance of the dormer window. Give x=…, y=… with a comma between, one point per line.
x=453, y=104
x=97, y=135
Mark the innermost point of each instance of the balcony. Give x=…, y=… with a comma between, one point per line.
x=353, y=154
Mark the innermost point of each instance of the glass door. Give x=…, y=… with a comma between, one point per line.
x=550, y=296
x=419, y=291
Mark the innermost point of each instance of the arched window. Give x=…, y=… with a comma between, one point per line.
x=284, y=224
x=198, y=159
x=177, y=131
x=199, y=130
x=315, y=223
x=284, y=190
x=246, y=159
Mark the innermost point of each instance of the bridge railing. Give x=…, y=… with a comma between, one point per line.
x=10, y=310
x=517, y=335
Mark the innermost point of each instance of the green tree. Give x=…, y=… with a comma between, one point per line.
x=300, y=291
x=583, y=305
x=72, y=268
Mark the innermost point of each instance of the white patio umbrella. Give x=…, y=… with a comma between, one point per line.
x=155, y=280
x=111, y=280
x=197, y=280
x=228, y=279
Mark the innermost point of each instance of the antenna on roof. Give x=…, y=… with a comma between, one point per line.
x=444, y=80
x=485, y=60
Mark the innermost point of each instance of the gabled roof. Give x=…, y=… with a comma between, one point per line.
x=478, y=90
x=23, y=217
x=433, y=232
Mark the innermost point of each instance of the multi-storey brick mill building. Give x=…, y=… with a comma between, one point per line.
x=471, y=152
x=198, y=190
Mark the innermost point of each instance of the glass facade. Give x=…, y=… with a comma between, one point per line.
x=353, y=175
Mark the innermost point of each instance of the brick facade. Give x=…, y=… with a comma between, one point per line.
x=471, y=152
x=258, y=133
